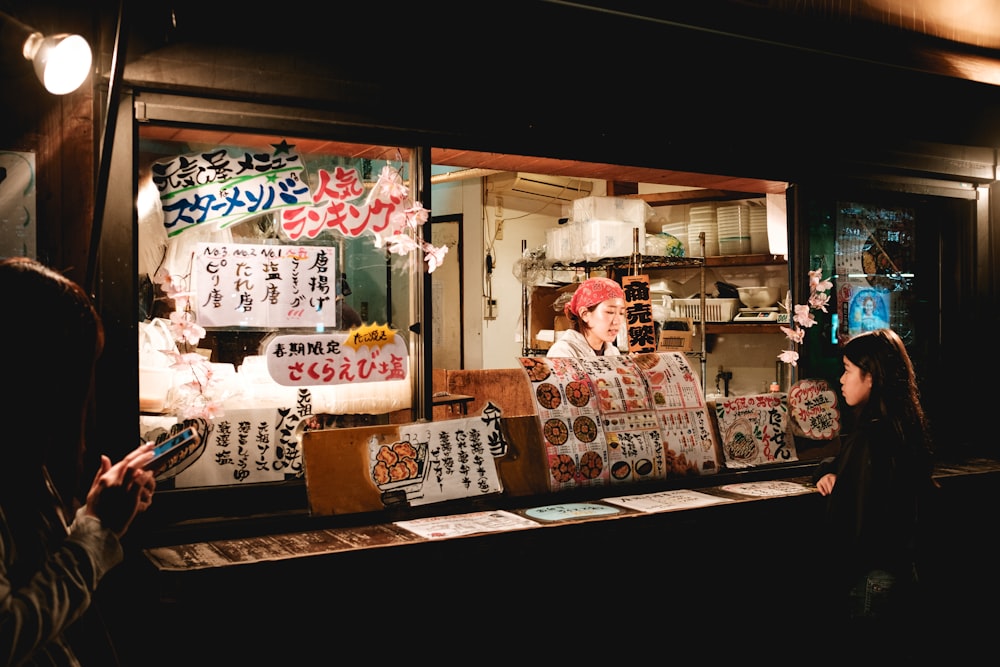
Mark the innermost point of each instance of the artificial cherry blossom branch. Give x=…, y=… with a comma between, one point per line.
x=401, y=236
x=802, y=318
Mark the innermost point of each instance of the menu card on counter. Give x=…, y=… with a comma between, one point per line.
x=665, y=501
x=621, y=419
x=754, y=429
x=768, y=488
x=457, y=525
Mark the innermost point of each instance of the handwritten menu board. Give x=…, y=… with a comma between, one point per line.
x=621, y=419
x=813, y=407
x=754, y=429
x=445, y=460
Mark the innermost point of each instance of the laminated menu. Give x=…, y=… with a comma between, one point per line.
x=621, y=419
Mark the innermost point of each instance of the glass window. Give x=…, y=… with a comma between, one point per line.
x=266, y=273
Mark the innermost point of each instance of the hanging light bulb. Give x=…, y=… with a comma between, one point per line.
x=62, y=62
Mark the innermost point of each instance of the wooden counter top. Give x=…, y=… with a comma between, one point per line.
x=224, y=553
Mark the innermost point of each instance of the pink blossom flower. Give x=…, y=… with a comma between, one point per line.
x=795, y=335
x=401, y=244
x=164, y=279
x=208, y=410
x=817, y=283
x=390, y=184
x=417, y=215
x=789, y=357
x=401, y=236
x=818, y=300
x=434, y=256
x=803, y=316
x=398, y=222
x=183, y=328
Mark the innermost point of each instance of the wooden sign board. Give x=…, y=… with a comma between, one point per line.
x=639, y=315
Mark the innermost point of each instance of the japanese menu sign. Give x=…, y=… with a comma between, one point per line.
x=366, y=354
x=335, y=205
x=619, y=419
x=244, y=446
x=222, y=188
x=267, y=286
x=754, y=429
x=813, y=407
x=437, y=461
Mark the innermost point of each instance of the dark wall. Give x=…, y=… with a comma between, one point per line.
x=59, y=130
x=788, y=102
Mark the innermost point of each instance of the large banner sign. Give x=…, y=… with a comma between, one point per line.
x=219, y=188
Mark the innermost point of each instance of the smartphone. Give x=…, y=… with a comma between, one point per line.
x=174, y=446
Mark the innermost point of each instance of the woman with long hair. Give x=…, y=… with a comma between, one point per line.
x=56, y=543
x=876, y=487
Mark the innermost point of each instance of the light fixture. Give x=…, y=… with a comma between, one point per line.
x=62, y=62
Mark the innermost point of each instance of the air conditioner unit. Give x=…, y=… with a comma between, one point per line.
x=537, y=186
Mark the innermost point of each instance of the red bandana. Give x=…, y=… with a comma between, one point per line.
x=592, y=292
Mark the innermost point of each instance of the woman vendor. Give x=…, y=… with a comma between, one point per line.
x=597, y=312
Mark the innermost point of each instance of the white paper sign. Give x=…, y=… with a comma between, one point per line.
x=451, y=459
x=245, y=447
x=265, y=286
x=456, y=525
x=665, y=501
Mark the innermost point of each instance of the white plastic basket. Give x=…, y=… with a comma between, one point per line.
x=716, y=310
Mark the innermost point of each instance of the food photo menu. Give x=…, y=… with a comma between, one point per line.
x=621, y=419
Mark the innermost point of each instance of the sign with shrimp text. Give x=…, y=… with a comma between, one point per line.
x=367, y=354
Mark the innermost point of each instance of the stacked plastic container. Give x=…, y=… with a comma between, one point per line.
x=759, y=242
x=600, y=227
x=734, y=229
x=702, y=219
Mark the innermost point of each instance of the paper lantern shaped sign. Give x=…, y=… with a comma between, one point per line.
x=813, y=406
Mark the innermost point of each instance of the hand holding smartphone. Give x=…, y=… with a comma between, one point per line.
x=174, y=449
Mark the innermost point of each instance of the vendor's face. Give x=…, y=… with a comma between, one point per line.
x=604, y=321
x=855, y=384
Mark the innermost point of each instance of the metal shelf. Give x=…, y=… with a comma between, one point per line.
x=741, y=328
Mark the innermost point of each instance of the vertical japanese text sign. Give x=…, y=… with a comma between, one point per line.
x=639, y=314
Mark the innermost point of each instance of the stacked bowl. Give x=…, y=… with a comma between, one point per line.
x=702, y=219
x=734, y=229
x=758, y=230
